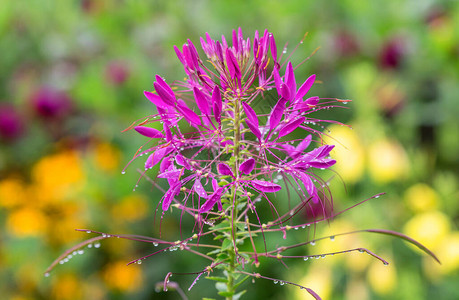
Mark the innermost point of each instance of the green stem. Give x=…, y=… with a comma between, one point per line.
x=234, y=213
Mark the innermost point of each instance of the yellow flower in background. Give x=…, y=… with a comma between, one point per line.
x=382, y=278
x=421, y=197
x=106, y=157
x=356, y=288
x=348, y=153
x=59, y=175
x=131, y=208
x=428, y=228
x=319, y=279
x=26, y=221
x=12, y=192
x=67, y=287
x=387, y=161
x=447, y=251
x=64, y=227
x=121, y=277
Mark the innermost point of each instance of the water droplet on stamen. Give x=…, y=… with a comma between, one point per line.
x=282, y=283
x=332, y=238
x=97, y=245
x=305, y=258
x=313, y=243
x=275, y=281
x=139, y=262
x=80, y=251
x=89, y=245
x=46, y=274
x=385, y=263
x=123, y=172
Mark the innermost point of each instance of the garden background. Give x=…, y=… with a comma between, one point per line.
x=72, y=75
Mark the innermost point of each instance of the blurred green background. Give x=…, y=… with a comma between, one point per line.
x=71, y=79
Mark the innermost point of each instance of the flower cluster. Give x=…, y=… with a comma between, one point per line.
x=219, y=101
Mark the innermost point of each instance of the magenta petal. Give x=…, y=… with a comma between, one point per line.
x=254, y=128
x=265, y=186
x=250, y=113
x=322, y=164
x=224, y=169
x=169, y=196
x=290, y=81
x=273, y=48
x=179, y=55
x=276, y=114
x=312, y=101
x=291, y=126
x=247, y=166
x=164, y=94
x=155, y=99
x=217, y=104
x=171, y=174
x=199, y=189
x=277, y=80
x=310, y=187
x=214, y=198
x=149, y=132
x=285, y=91
x=304, y=89
x=201, y=101
x=301, y=147
x=182, y=161
x=165, y=164
x=189, y=115
x=232, y=64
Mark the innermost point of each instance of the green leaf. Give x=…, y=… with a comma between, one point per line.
x=238, y=295
x=219, y=237
x=220, y=279
x=214, y=252
x=220, y=286
x=208, y=299
x=227, y=244
x=240, y=282
x=226, y=294
x=406, y=238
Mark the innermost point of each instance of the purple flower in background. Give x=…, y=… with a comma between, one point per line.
x=11, y=123
x=392, y=53
x=117, y=72
x=50, y=103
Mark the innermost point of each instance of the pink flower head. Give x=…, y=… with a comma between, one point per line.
x=217, y=99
